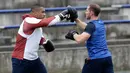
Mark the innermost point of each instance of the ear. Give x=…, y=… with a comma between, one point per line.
x=91, y=12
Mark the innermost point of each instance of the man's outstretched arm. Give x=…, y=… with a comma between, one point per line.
x=32, y=23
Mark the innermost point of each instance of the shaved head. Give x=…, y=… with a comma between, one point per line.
x=36, y=8
x=38, y=11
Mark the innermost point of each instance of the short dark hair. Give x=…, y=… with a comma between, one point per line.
x=95, y=8
x=35, y=7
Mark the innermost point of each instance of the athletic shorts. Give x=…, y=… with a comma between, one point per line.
x=102, y=65
x=27, y=66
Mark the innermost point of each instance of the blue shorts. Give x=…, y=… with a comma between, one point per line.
x=27, y=66
x=102, y=65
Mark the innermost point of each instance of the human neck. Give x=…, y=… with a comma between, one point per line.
x=94, y=18
x=33, y=14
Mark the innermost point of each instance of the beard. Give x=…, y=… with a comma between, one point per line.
x=88, y=17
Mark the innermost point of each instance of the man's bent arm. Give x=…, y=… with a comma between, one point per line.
x=80, y=23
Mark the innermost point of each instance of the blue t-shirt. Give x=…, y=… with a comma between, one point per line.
x=96, y=44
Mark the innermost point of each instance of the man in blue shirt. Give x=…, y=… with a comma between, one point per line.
x=94, y=36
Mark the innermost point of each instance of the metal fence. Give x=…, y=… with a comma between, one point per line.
x=60, y=9
x=10, y=31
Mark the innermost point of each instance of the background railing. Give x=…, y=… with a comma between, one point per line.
x=55, y=9
x=11, y=30
x=71, y=24
x=60, y=9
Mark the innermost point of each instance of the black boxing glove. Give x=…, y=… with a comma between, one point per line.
x=48, y=46
x=63, y=14
x=73, y=14
x=70, y=34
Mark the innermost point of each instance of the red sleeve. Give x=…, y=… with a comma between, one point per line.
x=42, y=23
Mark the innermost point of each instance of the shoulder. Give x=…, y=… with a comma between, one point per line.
x=90, y=25
x=90, y=28
x=32, y=20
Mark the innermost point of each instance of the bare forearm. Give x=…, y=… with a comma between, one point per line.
x=81, y=38
x=80, y=23
x=77, y=38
